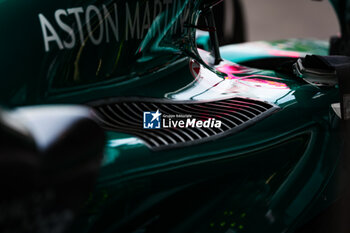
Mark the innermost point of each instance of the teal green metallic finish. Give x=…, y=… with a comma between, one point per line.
x=281, y=48
x=44, y=75
x=267, y=49
x=305, y=113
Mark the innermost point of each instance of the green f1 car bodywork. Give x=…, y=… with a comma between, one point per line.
x=272, y=174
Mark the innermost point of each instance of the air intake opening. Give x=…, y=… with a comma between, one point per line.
x=127, y=116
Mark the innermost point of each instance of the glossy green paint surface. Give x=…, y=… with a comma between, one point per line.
x=149, y=37
x=264, y=179
x=266, y=49
x=281, y=155
x=281, y=48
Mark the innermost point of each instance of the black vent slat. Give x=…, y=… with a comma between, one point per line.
x=109, y=111
x=137, y=106
x=178, y=135
x=249, y=111
x=171, y=111
x=226, y=122
x=248, y=104
x=188, y=136
x=126, y=116
x=261, y=107
x=257, y=103
x=132, y=111
x=118, y=127
x=233, y=118
x=191, y=113
x=112, y=127
x=229, y=110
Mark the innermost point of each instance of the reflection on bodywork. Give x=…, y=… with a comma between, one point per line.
x=236, y=81
x=112, y=150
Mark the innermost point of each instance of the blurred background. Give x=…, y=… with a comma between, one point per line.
x=281, y=19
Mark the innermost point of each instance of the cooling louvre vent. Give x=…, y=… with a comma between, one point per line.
x=127, y=117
